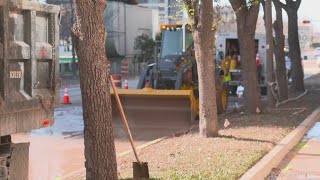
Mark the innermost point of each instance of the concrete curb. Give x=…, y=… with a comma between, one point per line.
x=82, y=170
x=264, y=167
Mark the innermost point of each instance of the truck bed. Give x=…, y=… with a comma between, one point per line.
x=29, y=74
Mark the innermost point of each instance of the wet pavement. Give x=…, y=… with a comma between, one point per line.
x=303, y=162
x=59, y=150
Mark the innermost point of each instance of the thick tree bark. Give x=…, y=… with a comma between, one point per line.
x=295, y=52
x=291, y=7
x=89, y=37
x=246, y=24
x=208, y=123
x=204, y=40
x=279, y=54
x=270, y=51
x=203, y=37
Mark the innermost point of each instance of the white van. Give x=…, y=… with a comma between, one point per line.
x=227, y=43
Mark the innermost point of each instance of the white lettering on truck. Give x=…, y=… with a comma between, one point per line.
x=15, y=74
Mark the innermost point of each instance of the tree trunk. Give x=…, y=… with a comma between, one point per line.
x=270, y=50
x=203, y=37
x=249, y=67
x=294, y=50
x=246, y=25
x=279, y=54
x=89, y=37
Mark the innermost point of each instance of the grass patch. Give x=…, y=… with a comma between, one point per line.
x=223, y=167
x=301, y=145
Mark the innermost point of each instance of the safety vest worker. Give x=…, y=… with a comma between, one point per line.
x=225, y=65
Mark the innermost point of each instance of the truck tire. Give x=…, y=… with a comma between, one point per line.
x=19, y=161
x=14, y=160
x=4, y=161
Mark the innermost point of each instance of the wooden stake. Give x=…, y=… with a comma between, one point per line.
x=124, y=118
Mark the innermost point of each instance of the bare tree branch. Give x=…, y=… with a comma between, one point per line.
x=252, y=15
x=283, y=6
x=196, y=12
x=241, y=10
x=193, y=10
x=238, y=5
x=290, y=3
x=297, y=4
x=253, y=8
x=189, y=7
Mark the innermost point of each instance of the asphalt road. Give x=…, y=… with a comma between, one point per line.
x=59, y=150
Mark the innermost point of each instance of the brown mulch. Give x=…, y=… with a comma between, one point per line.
x=244, y=142
x=248, y=138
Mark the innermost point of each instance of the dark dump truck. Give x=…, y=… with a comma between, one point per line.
x=29, y=77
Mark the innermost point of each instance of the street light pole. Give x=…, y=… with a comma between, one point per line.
x=270, y=47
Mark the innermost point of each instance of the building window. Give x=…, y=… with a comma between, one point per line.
x=161, y=8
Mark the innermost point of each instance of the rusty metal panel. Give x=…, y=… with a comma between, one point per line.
x=29, y=40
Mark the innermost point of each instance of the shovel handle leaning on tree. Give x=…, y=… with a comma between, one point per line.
x=123, y=116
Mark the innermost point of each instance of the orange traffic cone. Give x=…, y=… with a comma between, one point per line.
x=146, y=85
x=257, y=59
x=126, y=86
x=66, y=98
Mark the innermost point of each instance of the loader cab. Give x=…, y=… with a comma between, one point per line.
x=176, y=40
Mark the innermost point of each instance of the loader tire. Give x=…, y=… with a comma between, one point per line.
x=221, y=94
x=4, y=173
x=222, y=99
x=14, y=160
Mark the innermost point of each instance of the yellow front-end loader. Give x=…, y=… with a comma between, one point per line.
x=167, y=91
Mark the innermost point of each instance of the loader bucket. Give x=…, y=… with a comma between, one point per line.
x=149, y=108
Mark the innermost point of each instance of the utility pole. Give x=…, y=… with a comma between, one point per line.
x=270, y=47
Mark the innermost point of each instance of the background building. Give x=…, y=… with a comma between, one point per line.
x=123, y=24
x=169, y=10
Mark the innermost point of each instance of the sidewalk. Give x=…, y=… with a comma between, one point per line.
x=303, y=161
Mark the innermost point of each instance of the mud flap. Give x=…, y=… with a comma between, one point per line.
x=4, y=157
x=19, y=162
